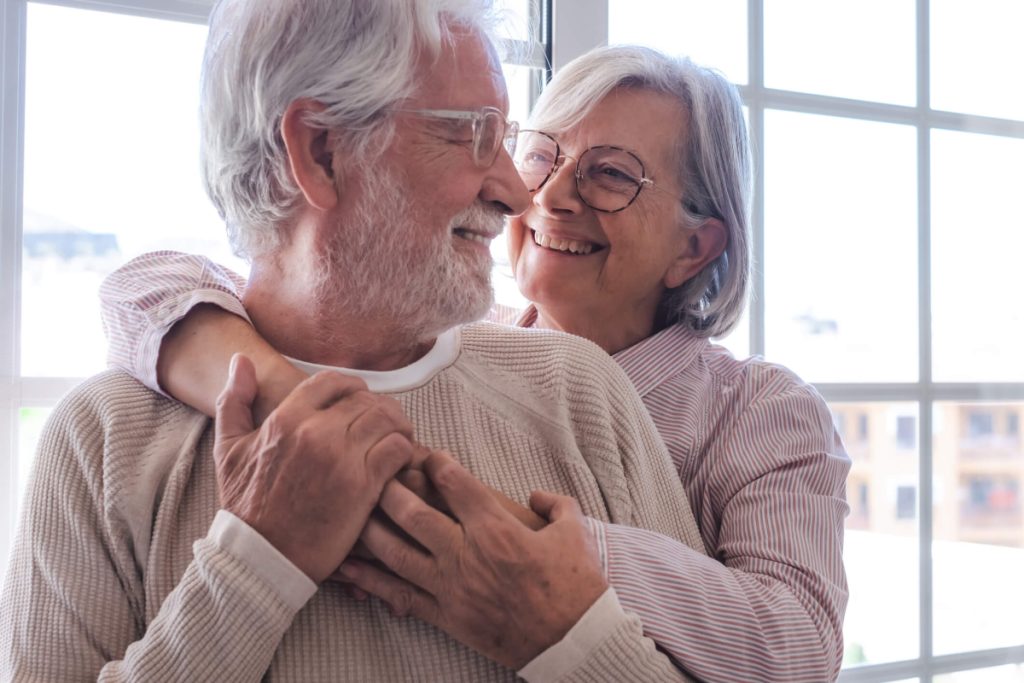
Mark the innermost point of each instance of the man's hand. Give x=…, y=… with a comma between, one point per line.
x=309, y=477
x=484, y=577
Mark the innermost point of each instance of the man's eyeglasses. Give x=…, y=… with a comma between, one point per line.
x=491, y=130
x=608, y=178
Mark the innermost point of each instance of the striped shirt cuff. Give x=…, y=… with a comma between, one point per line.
x=596, y=528
x=164, y=318
x=240, y=540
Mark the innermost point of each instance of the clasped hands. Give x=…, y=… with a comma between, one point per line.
x=505, y=580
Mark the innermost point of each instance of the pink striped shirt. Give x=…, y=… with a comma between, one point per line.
x=755, y=448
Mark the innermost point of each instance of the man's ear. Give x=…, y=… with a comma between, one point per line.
x=310, y=154
x=701, y=246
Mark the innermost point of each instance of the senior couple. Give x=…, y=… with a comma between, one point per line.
x=361, y=158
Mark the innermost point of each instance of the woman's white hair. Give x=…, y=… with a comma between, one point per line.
x=714, y=164
x=356, y=57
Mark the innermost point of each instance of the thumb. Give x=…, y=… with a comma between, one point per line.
x=552, y=506
x=234, y=405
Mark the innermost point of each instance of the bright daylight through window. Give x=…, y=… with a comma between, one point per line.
x=889, y=162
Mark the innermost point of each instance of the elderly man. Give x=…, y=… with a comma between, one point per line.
x=155, y=545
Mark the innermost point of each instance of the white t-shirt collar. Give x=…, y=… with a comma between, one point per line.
x=441, y=355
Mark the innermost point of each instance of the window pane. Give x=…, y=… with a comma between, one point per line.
x=977, y=55
x=840, y=248
x=977, y=242
x=978, y=550
x=522, y=82
x=820, y=47
x=882, y=491
x=1011, y=673
x=712, y=33
x=117, y=178
x=515, y=15
x=738, y=341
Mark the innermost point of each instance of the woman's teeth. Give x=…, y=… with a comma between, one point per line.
x=572, y=246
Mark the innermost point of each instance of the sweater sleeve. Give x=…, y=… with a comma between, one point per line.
x=143, y=299
x=73, y=603
x=606, y=644
x=770, y=606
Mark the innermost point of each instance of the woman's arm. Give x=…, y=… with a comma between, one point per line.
x=174, y=320
x=195, y=355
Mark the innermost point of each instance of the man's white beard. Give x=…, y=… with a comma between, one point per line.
x=384, y=264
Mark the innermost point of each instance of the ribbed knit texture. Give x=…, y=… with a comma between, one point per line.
x=112, y=575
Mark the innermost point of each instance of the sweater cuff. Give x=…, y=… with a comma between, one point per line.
x=241, y=541
x=583, y=638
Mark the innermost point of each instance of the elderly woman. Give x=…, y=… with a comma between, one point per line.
x=637, y=240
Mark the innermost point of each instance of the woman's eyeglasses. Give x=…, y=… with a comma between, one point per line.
x=608, y=178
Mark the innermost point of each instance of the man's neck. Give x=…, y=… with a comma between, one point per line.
x=283, y=311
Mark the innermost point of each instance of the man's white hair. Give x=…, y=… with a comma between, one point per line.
x=714, y=164
x=356, y=57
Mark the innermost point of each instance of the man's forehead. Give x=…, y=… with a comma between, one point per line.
x=466, y=74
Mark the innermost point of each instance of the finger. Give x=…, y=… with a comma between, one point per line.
x=386, y=458
x=420, y=455
x=429, y=527
x=399, y=554
x=320, y=391
x=368, y=416
x=553, y=507
x=467, y=497
x=402, y=597
x=414, y=480
x=234, y=405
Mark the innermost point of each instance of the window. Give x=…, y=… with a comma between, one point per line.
x=1012, y=424
x=906, y=431
x=862, y=427
x=862, y=497
x=906, y=502
x=980, y=424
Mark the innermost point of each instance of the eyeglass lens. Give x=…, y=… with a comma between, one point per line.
x=607, y=178
x=490, y=132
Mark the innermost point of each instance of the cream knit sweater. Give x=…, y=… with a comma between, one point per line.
x=114, y=574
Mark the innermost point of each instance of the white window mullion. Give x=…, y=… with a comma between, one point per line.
x=193, y=11
x=753, y=97
x=12, y=75
x=927, y=405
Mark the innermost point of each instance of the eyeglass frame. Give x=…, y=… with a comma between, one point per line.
x=507, y=139
x=560, y=158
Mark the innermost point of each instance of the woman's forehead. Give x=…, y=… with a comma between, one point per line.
x=644, y=122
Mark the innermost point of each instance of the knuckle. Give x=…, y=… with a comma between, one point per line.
x=402, y=602
x=388, y=455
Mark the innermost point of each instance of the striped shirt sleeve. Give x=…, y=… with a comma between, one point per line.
x=766, y=474
x=142, y=300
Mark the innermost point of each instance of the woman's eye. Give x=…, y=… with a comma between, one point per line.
x=611, y=173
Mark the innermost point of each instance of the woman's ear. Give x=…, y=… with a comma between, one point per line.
x=701, y=246
x=310, y=154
